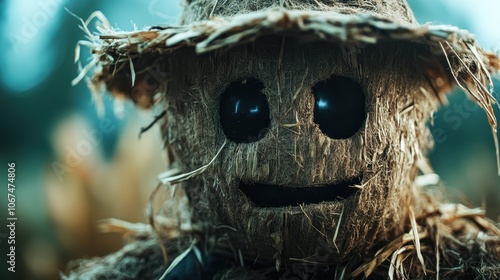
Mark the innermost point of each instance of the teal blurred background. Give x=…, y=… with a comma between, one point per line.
x=42, y=118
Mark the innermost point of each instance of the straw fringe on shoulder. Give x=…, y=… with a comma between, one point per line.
x=455, y=242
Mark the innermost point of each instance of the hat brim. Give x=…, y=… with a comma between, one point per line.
x=470, y=66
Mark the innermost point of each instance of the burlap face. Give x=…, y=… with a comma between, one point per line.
x=295, y=152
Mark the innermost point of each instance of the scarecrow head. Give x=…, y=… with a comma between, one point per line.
x=299, y=127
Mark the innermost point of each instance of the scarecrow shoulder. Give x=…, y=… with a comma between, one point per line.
x=139, y=259
x=476, y=254
x=462, y=244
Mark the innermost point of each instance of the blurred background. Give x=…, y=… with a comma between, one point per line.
x=74, y=167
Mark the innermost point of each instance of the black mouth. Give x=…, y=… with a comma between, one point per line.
x=265, y=195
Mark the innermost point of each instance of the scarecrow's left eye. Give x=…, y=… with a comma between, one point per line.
x=339, y=107
x=244, y=111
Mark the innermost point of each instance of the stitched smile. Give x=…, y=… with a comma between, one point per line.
x=268, y=195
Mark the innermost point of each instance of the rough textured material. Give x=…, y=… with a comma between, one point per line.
x=140, y=259
x=392, y=227
x=395, y=11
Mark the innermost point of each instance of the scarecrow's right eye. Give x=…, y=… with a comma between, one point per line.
x=339, y=107
x=244, y=111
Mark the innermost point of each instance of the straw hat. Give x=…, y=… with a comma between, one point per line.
x=405, y=70
x=208, y=25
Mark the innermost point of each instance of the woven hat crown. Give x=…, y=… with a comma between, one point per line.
x=446, y=55
x=397, y=11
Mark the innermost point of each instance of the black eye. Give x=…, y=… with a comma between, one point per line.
x=339, y=107
x=244, y=111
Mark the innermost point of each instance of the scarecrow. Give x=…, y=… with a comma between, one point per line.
x=296, y=135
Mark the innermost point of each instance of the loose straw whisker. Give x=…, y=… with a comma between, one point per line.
x=155, y=120
x=484, y=102
x=310, y=220
x=113, y=225
x=213, y=8
x=84, y=72
x=337, y=228
x=178, y=259
x=168, y=178
x=436, y=248
x=416, y=238
x=152, y=221
x=102, y=19
x=83, y=27
x=132, y=70
x=485, y=70
x=393, y=264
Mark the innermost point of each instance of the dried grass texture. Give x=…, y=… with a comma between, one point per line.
x=140, y=259
x=202, y=10
x=295, y=152
x=376, y=226
x=391, y=227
